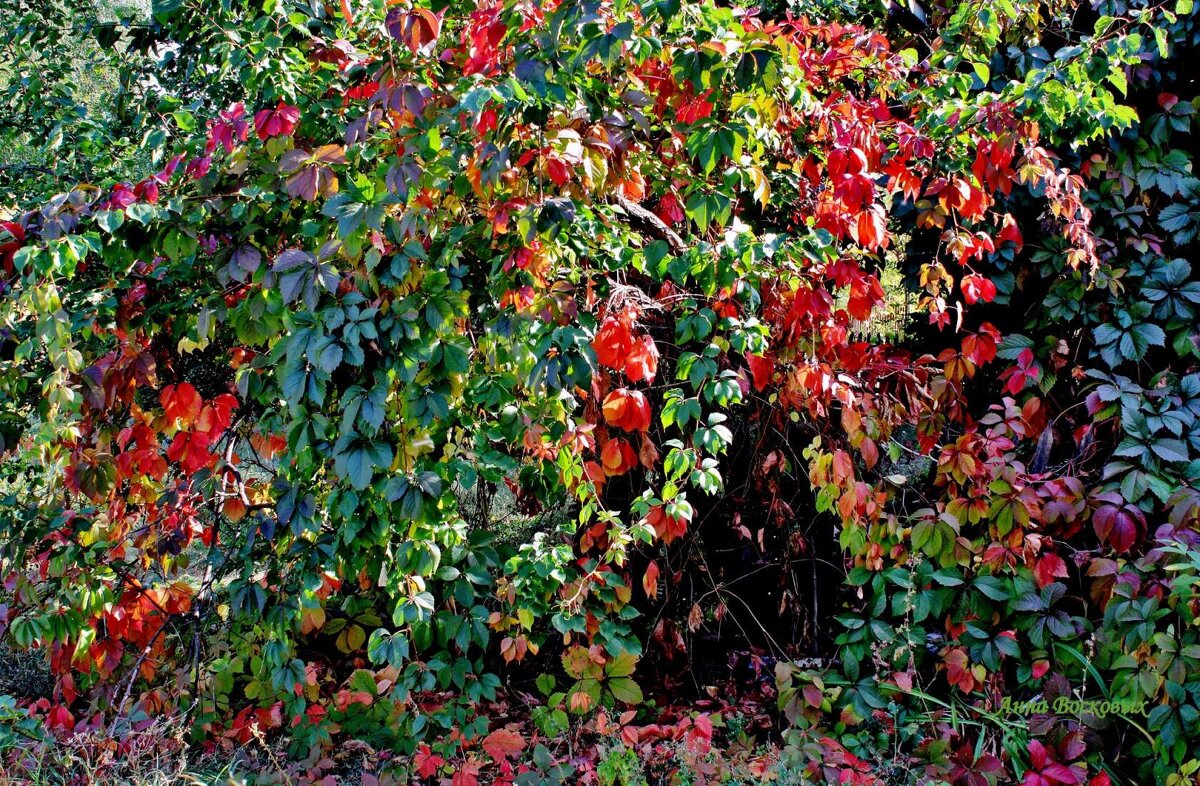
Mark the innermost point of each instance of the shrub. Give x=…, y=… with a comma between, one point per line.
x=615, y=258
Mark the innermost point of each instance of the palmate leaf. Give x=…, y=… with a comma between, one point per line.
x=247, y=258
x=1118, y=345
x=356, y=458
x=418, y=29
x=302, y=277
x=1182, y=220
x=364, y=408
x=310, y=174
x=390, y=648
x=330, y=356
x=351, y=215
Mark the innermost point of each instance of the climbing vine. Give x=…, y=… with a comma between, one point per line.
x=608, y=263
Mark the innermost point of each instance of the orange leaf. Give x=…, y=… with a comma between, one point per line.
x=418, y=29
x=627, y=409
x=181, y=403
x=870, y=230
x=641, y=363
x=579, y=702
x=666, y=527
x=617, y=457
x=613, y=341
x=870, y=452
x=503, y=742
x=650, y=579
x=843, y=467
x=648, y=453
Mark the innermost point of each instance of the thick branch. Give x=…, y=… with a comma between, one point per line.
x=647, y=223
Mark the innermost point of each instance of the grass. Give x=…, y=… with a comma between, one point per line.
x=82, y=101
x=154, y=756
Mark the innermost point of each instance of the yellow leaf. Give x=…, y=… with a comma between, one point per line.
x=762, y=188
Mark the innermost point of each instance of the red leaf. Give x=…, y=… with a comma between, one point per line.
x=181, y=403
x=60, y=718
x=865, y=294
x=870, y=230
x=870, y=453
x=670, y=210
x=976, y=288
x=1010, y=232
x=667, y=527
x=1049, y=566
x=1027, y=370
x=980, y=348
x=189, y=449
x=693, y=109
x=613, y=341
x=641, y=362
x=483, y=35
x=503, y=742
x=558, y=171
x=427, y=762
x=1121, y=526
x=488, y=120
x=627, y=409
x=959, y=671
x=1037, y=755
x=418, y=29
x=1060, y=773
x=280, y=121
x=230, y=127
x=467, y=774
x=700, y=732
x=617, y=457
x=843, y=467
x=650, y=580
x=762, y=369
x=9, y=247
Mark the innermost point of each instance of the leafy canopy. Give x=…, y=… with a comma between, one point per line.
x=615, y=260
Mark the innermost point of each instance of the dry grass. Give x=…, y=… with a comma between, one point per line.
x=24, y=674
x=153, y=756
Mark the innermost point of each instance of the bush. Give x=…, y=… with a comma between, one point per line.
x=620, y=262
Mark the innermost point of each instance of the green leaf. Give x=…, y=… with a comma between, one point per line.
x=110, y=220
x=1171, y=450
x=330, y=357
x=1117, y=77
x=626, y=690
x=982, y=72
x=1160, y=38
x=992, y=588
x=141, y=212
x=622, y=665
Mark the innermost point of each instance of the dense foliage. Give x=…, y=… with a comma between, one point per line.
x=80, y=94
x=499, y=385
